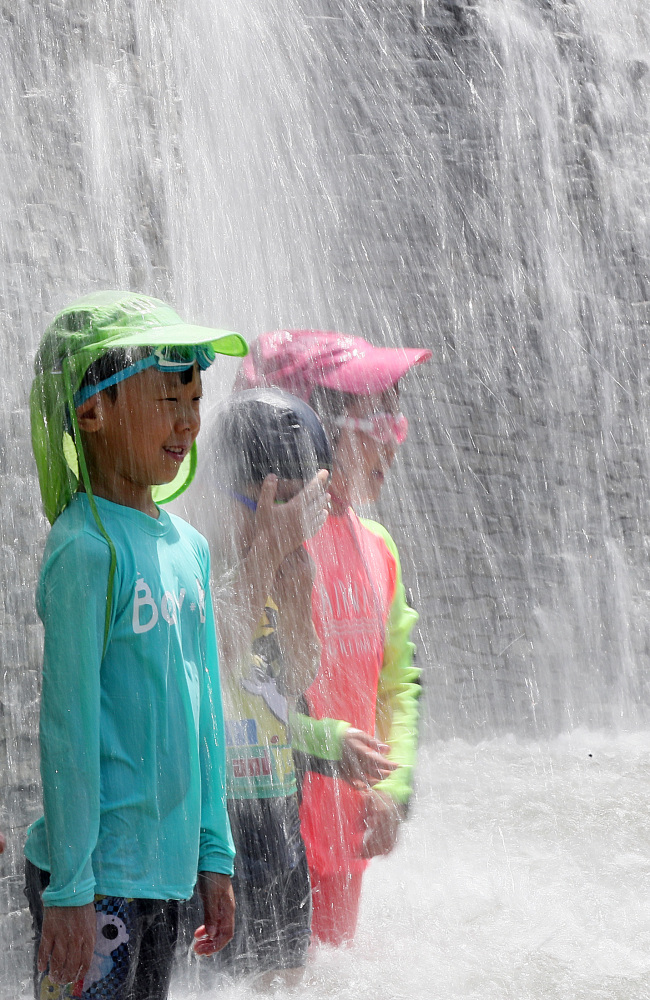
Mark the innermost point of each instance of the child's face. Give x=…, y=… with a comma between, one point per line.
x=141, y=439
x=360, y=461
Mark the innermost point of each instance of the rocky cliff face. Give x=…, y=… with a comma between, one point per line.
x=469, y=176
x=493, y=156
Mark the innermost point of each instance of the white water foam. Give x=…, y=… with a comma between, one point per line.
x=523, y=873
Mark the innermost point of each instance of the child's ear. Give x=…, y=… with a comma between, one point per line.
x=90, y=415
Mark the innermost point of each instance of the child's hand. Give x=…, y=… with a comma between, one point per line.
x=363, y=761
x=67, y=942
x=285, y=527
x=382, y=821
x=218, y=901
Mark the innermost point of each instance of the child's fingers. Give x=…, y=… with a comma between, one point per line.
x=219, y=913
x=317, y=484
x=67, y=942
x=87, y=951
x=201, y=941
x=361, y=737
x=380, y=773
x=210, y=941
x=364, y=757
x=377, y=760
x=266, y=498
x=64, y=961
x=220, y=940
x=315, y=504
x=382, y=821
x=304, y=515
x=361, y=742
x=314, y=491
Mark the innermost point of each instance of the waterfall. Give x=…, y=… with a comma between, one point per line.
x=466, y=175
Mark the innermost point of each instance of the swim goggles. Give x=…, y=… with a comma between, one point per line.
x=247, y=502
x=387, y=428
x=165, y=359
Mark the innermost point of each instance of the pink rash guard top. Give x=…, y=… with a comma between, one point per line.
x=366, y=677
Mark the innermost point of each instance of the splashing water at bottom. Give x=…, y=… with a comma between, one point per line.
x=524, y=872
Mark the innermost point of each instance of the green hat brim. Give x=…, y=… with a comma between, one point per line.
x=225, y=342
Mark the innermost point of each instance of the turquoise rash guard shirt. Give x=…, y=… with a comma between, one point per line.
x=132, y=742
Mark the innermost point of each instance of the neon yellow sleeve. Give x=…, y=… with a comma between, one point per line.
x=322, y=738
x=399, y=688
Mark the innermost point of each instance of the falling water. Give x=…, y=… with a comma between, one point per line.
x=469, y=175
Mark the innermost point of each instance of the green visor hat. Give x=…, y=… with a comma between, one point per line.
x=78, y=336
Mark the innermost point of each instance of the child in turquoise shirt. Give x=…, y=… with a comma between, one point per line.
x=132, y=744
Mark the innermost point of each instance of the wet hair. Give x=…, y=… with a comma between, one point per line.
x=263, y=431
x=116, y=361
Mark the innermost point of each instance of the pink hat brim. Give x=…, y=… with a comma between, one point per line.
x=300, y=360
x=374, y=370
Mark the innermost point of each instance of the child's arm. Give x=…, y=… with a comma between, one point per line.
x=334, y=748
x=386, y=803
x=72, y=605
x=278, y=531
x=398, y=697
x=297, y=636
x=216, y=848
x=398, y=692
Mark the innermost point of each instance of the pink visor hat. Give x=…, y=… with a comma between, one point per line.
x=299, y=360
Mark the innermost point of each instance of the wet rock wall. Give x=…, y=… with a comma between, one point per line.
x=470, y=177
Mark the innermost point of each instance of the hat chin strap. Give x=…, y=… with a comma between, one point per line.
x=166, y=492
x=85, y=477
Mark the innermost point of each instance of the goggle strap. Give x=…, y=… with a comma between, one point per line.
x=247, y=502
x=201, y=354
x=91, y=390
x=395, y=424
